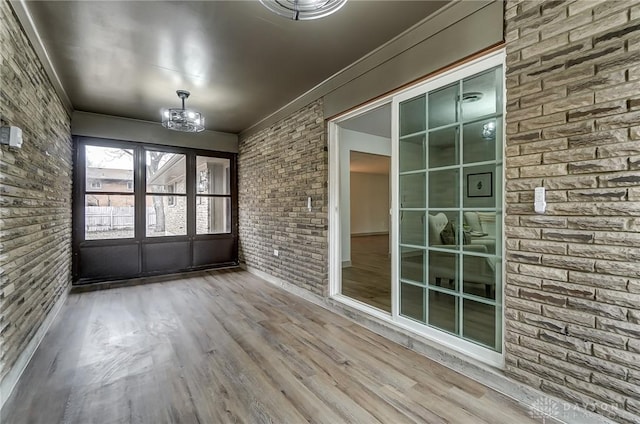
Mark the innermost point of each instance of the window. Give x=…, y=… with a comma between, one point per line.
x=213, y=184
x=159, y=209
x=109, y=214
x=166, y=203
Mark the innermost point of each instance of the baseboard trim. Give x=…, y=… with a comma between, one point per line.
x=291, y=288
x=541, y=405
x=10, y=381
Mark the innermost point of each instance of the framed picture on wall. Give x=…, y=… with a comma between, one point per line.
x=480, y=185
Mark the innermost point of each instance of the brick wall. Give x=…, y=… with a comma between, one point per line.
x=35, y=194
x=573, y=274
x=278, y=168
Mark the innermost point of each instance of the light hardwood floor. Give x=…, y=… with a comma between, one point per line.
x=226, y=347
x=368, y=279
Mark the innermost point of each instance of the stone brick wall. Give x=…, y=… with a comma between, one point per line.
x=278, y=168
x=35, y=194
x=573, y=274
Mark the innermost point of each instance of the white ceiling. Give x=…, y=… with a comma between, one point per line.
x=240, y=61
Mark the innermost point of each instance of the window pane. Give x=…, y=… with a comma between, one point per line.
x=213, y=215
x=480, y=323
x=166, y=172
x=443, y=270
x=412, y=116
x=443, y=310
x=443, y=189
x=108, y=216
x=109, y=169
x=443, y=147
x=412, y=191
x=479, y=185
x=166, y=216
x=480, y=141
x=443, y=231
x=479, y=276
x=412, y=153
x=443, y=106
x=479, y=94
x=213, y=175
x=412, y=228
x=412, y=264
x=481, y=229
x=412, y=301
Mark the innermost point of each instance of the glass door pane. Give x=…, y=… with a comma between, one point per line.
x=450, y=208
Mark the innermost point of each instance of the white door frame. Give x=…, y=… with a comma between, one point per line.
x=334, y=213
x=335, y=257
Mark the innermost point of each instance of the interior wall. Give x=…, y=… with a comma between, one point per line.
x=369, y=203
x=35, y=223
x=350, y=140
x=572, y=292
x=278, y=169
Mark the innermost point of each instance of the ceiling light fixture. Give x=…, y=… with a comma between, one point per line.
x=303, y=10
x=185, y=120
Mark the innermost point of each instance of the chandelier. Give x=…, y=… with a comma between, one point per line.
x=186, y=120
x=303, y=10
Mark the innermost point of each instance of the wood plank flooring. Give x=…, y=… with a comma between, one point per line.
x=226, y=347
x=368, y=279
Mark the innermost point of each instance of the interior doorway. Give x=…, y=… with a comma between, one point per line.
x=365, y=164
x=367, y=276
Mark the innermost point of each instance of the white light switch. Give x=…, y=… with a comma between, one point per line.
x=539, y=201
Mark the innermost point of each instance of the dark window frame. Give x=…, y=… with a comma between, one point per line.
x=206, y=195
x=228, y=241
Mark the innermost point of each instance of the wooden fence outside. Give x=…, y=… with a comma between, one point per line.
x=109, y=218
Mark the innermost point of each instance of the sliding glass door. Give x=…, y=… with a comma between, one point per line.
x=448, y=145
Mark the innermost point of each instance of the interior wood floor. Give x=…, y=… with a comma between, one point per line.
x=368, y=279
x=227, y=347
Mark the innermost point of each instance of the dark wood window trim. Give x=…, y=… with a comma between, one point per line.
x=101, y=260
